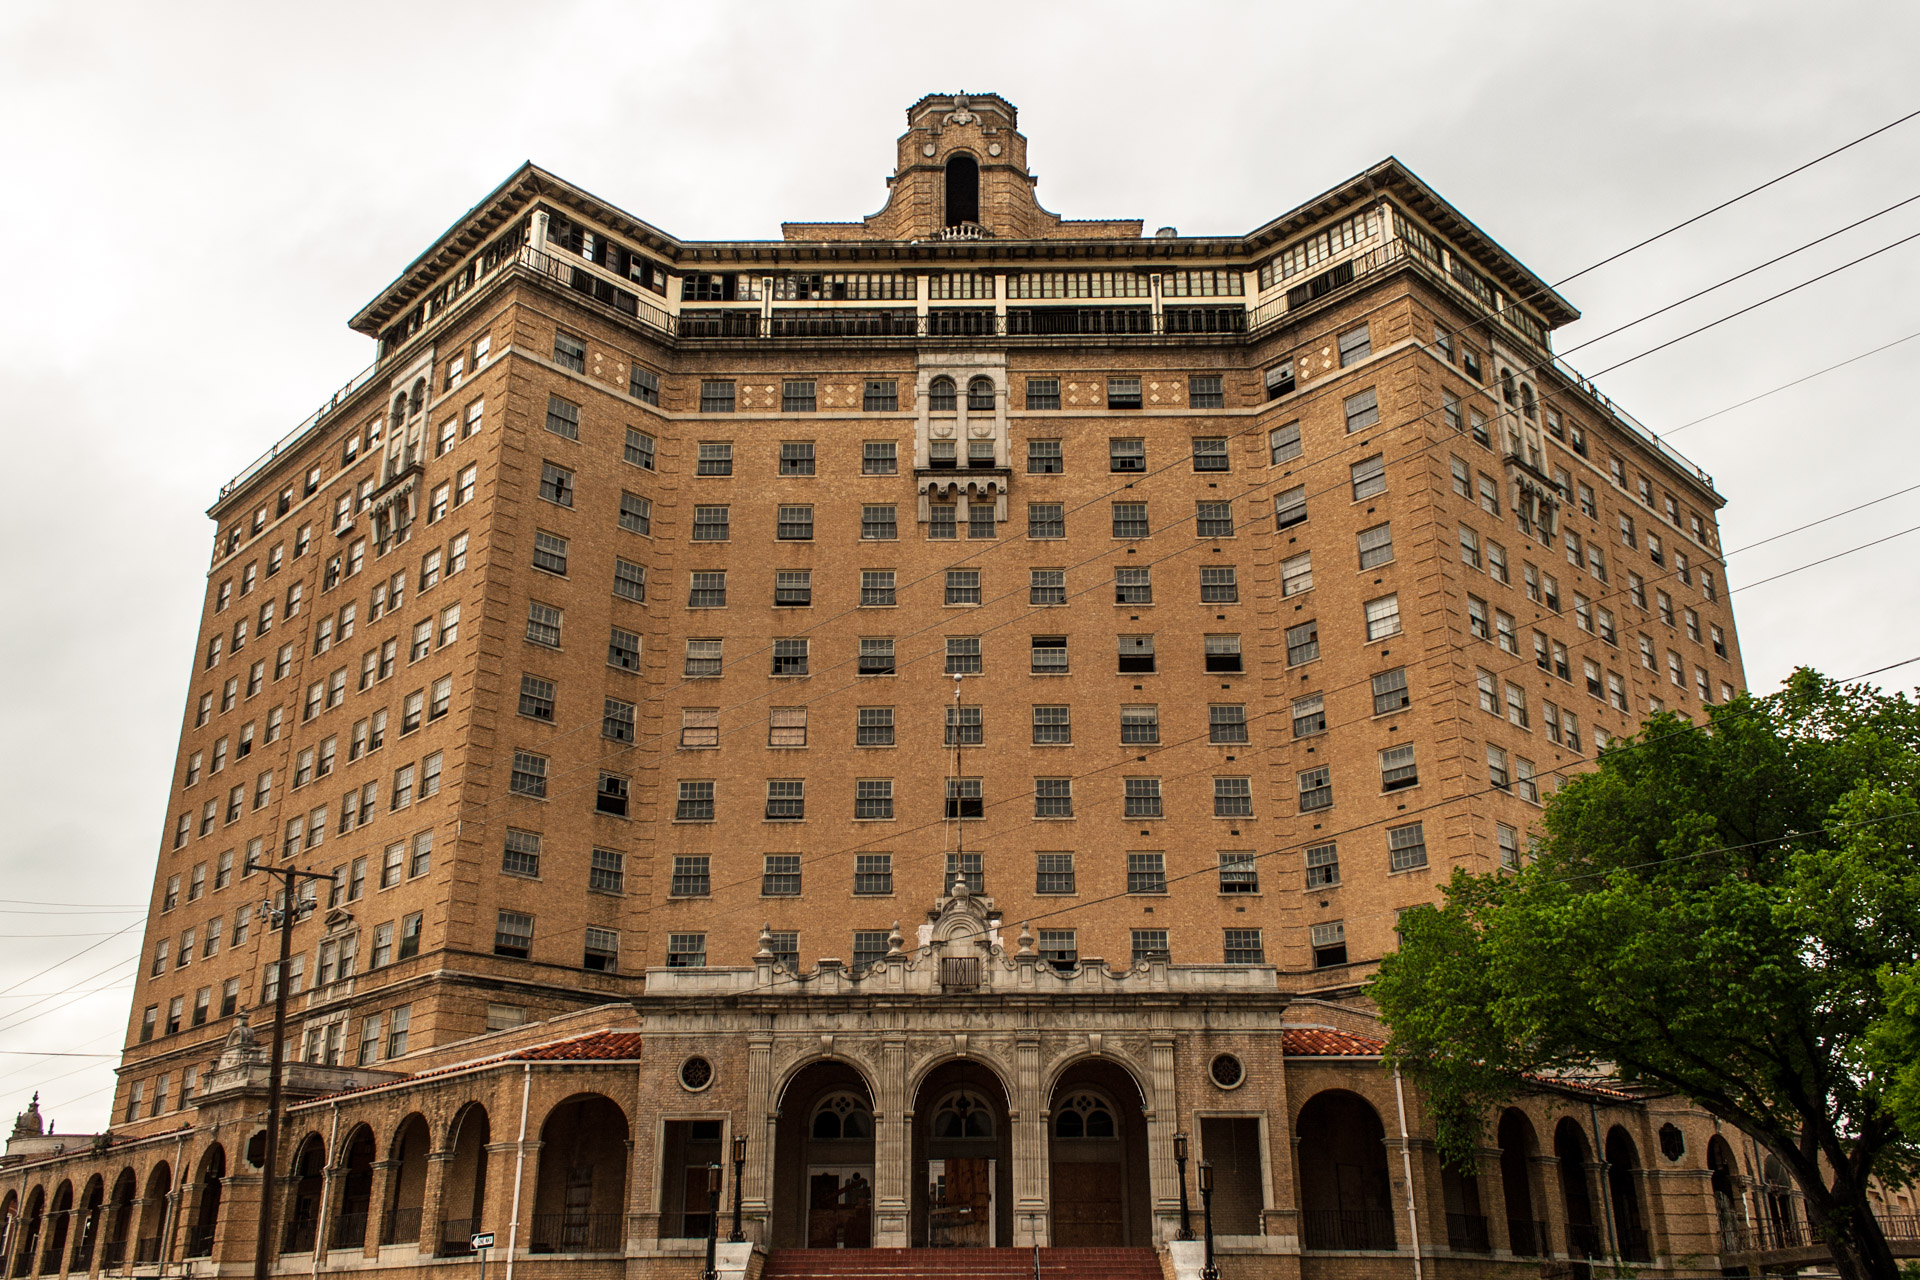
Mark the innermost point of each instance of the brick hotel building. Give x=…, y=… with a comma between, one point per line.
x=953, y=699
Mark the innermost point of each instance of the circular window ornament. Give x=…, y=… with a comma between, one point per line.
x=696, y=1073
x=1227, y=1072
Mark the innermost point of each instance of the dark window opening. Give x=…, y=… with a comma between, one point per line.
x=963, y=190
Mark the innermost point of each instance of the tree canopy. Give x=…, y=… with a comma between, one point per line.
x=1727, y=911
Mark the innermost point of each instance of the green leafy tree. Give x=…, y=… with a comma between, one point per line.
x=1709, y=912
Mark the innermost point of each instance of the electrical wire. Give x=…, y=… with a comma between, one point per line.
x=1789, y=385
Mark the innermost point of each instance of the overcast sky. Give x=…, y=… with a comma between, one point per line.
x=203, y=194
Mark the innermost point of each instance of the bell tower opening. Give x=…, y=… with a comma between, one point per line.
x=963, y=190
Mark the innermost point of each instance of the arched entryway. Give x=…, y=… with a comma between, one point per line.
x=150, y=1244
x=59, y=1221
x=823, y=1160
x=962, y=1158
x=87, y=1226
x=1526, y=1219
x=465, y=1196
x=1623, y=1193
x=407, y=1192
x=356, y=1193
x=1467, y=1230
x=1725, y=1173
x=1574, y=1155
x=119, y=1220
x=26, y=1232
x=1783, y=1224
x=963, y=190
x=208, y=1184
x=1097, y=1164
x=580, y=1198
x=306, y=1179
x=1346, y=1199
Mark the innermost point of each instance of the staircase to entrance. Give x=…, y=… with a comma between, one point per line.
x=961, y=1264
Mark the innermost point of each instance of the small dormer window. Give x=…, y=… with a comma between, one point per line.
x=963, y=190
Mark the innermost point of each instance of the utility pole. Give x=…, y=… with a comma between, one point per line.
x=285, y=918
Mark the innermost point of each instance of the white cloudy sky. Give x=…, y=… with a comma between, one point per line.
x=203, y=193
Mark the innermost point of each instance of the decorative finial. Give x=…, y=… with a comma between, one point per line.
x=766, y=942
x=1026, y=938
x=896, y=945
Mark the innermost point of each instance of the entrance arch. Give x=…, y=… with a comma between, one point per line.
x=151, y=1243
x=1623, y=1192
x=356, y=1192
x=27, y=1232
x=1571, y=1150
x=1097, y=1165
x=465, y=1196
x=1345, y=1197
x=307, y=1177
x=962, y=1158
x=206, y=1214
x=88, y=1230
x=119, y=1220
x=400, y=1223
x=823, y=1160
x=580, y=1197
x=1526, y=1224
x=59, y=1214
x=1726, y=1195
x=1783, y=1224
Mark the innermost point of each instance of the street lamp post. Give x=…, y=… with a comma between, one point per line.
x=1209, y=1271
x=713, y=1219
x=739, y=1163
x=1180, y=1160
x=289, y=877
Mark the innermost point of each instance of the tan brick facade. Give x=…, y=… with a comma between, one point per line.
x=624, y=594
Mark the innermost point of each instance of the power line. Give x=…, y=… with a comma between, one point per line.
x=1787, y=385
x=1733, y=201
x=1826, y=559
x=75, y=956
x=1823, y=520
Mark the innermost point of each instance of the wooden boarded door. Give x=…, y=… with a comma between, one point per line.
x=969, y=1202
x=1088, y=1205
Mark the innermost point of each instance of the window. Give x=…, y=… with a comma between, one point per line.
x=1398, y=769
x=1309, y=715
x=1362, y=410
x=1053, y=797
x=1376, y=547
x=786, y=800
x=1283, y=443
x=1213, y=519
x=623, y=650
x=1497, y=774
x=876, y=656
x=1123, y=393
x=1043, y=456
x=1303, y=643
x=1390, y=691
x=1049, y=655
x=1146, y=873
x=780, y=876
x=528, y=776
x=1323, y=866
x=695, y=803
x=1233, y=797
x=703, y=659
x=1406, y=847
x=1242, y=946
x=549, y=552
x=1136, y=655
x=1139, y=723
x=873, y=798
x=797, y=396
x=1130, y=520
x=1316, y=789
x=563, y=417
x=522, y=856
x=1052, y=726
x=1133, y=586
x=1219, y=585
x=513, y=934
x=941, y=521
x=1142, y=798
x=965, y=799
x=1046, y=520
x=1290, y=507
x=1497, y=563
x=874, y=727
x=1210, y=452
x=1504, y=633
x=616, y=720
x=790, y=656
x=1126, y=453
x=602, y=950
x=1383, y=617
x=707, y=590
x=963, y=656
x=1043, y=393
x=556, y=484
x=610, y=796
x=964, y=727
x=690, y=877
x=1150, y=945
x=1226, y=724
x=1469, y=548
x=1369, y=476
x=1047, y=586
x=699, y=727
x=873, y=873
x=1355, y=345
x=963, y=586
x=1329, y=942
x=717, y=397
x=536, y=698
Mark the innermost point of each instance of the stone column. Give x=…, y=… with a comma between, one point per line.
x=892, y=1150
x=1553, y=1205
x=1031, y=1193
x=1163, y=1121
x=433, y=1209
x=384, y=1172
x=759, y=1124
x=1493, y=1197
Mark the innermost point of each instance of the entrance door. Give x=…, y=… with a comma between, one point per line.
x=1088, y=1205
x=839, y=1208
x=960, y=1203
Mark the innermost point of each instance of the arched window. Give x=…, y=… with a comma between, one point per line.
x=963, y=190
x=1084, y=1115
x=1526, y=398
x=1506, y=385
x=842, y=1115
x=941, y=395
x=399, y=410
x=418, y=400
x=963, y=1115
x=980, y=395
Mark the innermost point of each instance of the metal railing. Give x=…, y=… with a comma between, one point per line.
x=200, y=1240
x=112, y=1254
x=456, y=1237
x=1346, y=1229
x=960, y=973
x=349, y=1231
x=577, y=1233
x=299, y=1236
x=292, y=437
x=401, y=1226
x=146, y=1250
x=1527, y=1237
x=1467, y=1233
x=1635, y=1244
x=1583, y=1240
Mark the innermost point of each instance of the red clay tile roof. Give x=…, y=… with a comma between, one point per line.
x=598, y=1046
x=1322, y=1042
